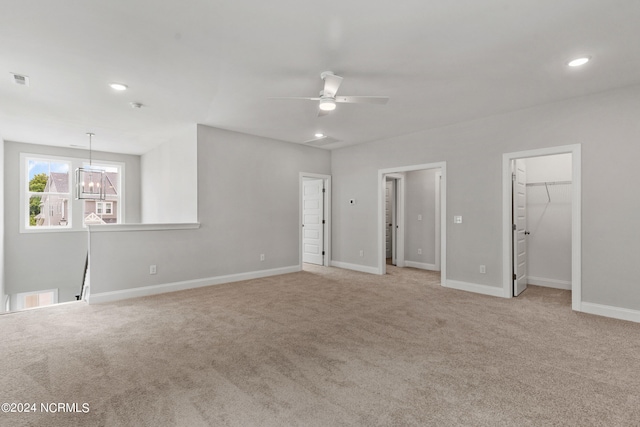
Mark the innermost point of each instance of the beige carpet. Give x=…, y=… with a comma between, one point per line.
x=324, y=347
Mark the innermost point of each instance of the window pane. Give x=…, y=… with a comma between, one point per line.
x=58, y=182
x=45, y=298
x=38, y=176
x=34, y=210
x=31, y=301
x=51, y=178
x=105, y=212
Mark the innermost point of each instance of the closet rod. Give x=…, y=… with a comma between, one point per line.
x=532, y=184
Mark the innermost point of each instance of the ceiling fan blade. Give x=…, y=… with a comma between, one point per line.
x=322, y=113
x=331, y=83
x=295, y=97
x=363, y=99
x=325, y=140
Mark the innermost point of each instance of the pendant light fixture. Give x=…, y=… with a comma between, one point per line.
x=90, y=182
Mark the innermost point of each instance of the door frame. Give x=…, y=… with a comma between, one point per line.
x=382, y=178
x=438, y=219
x=397, y=218
x=576, y=216
x=326, y=261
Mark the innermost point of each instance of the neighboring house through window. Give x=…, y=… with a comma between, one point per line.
x=48, y=193
x=105, y=211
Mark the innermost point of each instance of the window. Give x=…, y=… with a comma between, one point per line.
x=36, y=299
x=48, y=193
x=107, y=211
x=104, y=208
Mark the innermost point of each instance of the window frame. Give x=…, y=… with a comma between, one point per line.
x=21, y=298
x=73, y=206
x=26, y=194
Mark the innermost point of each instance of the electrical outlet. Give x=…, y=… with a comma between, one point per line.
x=152, y=269
x=261, y=257
x=419, y=251
x=361, y=252
x=483, y=269
x=457, y=219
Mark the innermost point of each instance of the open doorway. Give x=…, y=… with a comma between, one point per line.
x=541, y=200
x=412, y=229
x=315, y=221
x=391, y=218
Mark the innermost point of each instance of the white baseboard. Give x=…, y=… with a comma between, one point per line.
x=549, y=283
x=421, y=265
x=355, y=267
x=474, y=287
x=187, y=284
x=610, y=311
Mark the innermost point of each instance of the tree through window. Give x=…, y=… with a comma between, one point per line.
x=48, y=193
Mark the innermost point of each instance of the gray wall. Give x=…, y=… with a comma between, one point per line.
x=170, y=181
x=605, y=124
x=248, y=204
x=47, y=260
x=420, y=199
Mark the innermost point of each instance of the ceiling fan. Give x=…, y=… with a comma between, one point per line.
x=328, y=95
x=320, y=139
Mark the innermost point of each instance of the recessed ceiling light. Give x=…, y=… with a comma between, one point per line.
x=319, y=135
x=579, y=61
x=118, y=86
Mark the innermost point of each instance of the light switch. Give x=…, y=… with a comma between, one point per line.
x=419, y=217
x=457, y=219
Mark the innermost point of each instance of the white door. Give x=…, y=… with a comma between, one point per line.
x=312, y=221
x=519, y=227
x=388, y=209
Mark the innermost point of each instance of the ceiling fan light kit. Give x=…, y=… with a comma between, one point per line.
x=328, y=99
x=327, y=104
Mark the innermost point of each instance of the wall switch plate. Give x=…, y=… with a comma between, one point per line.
x=361, y=252
x=457, y=219
x=419, y=251
x=483, y=269
x=419, y=217
x=152, y=269
x=261, y=257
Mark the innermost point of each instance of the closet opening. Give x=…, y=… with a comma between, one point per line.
x=541, y=219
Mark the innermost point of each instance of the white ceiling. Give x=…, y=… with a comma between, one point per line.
x=218, y=62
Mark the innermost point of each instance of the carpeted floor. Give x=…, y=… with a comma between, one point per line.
x=323, y=347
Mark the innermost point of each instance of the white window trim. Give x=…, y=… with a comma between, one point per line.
x=25, y=194
x=74, y=163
